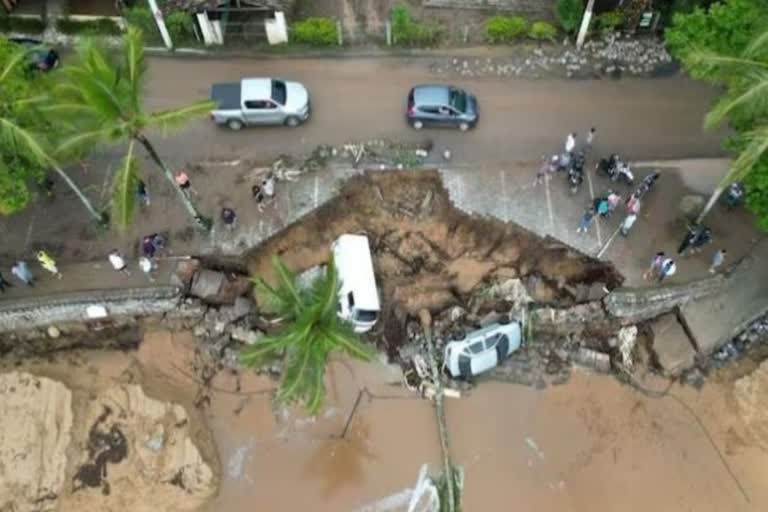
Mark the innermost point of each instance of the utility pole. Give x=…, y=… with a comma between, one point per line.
x=585, y=24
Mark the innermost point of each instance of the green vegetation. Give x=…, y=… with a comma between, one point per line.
x=610, y=21
x=315, y=32
x=142, y=18
x=727, y=44
x=505, y=29
x=99, y=96
x=26, y=138
x=542, y=31
x=180, y=27
x=21, y=25
x=407, y=31
x=102, y=27
x=569, y=14
x=311, y=331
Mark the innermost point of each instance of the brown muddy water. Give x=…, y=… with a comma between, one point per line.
x=591, y=444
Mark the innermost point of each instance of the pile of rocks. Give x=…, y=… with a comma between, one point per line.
x=753, y=336
x=611, y=55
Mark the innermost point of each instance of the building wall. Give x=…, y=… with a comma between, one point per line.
x=539, y=9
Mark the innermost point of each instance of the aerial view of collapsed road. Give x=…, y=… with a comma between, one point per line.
x=383, y=255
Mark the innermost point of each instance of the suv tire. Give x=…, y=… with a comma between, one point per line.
x=292, y=121
x=418, y=125
x=234, y=124
x=464, y=126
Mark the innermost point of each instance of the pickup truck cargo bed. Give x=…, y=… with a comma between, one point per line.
x=226, y=95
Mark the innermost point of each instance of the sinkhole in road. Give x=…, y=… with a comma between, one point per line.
x=430, y=255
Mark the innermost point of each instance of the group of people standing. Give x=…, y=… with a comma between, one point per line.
x=23, y=272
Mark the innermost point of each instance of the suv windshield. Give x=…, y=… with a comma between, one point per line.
x=278, y=92
x=364, y=315
x=458, y=100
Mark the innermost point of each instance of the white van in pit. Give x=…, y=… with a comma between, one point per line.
x=358, y=295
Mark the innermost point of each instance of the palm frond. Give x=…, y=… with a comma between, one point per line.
x=135, y=65
x=758, y=46
x=100, y=95
x=124, y=191
x=75, y=144
x=170, y=119
x=756, y=147
x=11, y=64
x=715, y=60
x=22, y=141
x=754, y=94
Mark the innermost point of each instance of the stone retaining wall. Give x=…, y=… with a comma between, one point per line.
x=538, y=9
x=28, y=314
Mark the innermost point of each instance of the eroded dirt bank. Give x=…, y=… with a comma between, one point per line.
x=590, y=444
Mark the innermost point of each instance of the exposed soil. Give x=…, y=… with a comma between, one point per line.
x=427, y=253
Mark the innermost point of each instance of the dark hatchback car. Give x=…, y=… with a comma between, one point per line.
x=41, y=57
x=441, y=105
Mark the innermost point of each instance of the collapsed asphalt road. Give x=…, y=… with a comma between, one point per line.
x=363, y=99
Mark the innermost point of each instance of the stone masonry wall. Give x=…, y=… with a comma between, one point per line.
x=535, y=9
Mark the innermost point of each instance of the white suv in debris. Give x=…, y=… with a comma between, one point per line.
x=483, y=349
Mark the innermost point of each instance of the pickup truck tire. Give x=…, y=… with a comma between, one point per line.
x=234, y=124
x=292, y=121
x=418, y=125
x=464, y=127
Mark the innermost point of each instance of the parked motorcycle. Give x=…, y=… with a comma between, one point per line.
x=734, y=196
x=647, y=184
x=615, y=169
x=576, y=172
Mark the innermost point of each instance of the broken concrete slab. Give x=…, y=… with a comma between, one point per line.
x=673, y=349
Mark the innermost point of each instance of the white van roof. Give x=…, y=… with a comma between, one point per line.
x=352, y=256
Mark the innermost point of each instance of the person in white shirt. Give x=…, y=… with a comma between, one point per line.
x=570, y=142
x=147, y=266
x=118, y=263
x=668, y=268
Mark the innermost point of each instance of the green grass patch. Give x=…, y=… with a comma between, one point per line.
x=314, y=32
x=505, y=29
x=21, y=25
x=100, y=27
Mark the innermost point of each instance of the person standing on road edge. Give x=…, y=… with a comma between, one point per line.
x=4, y=283
x=717, y=260
x=148, y=266
x=268, y=186
x=668, y=269
x=21, y=270
x=141, y=190
x=655, y=265
x=182, y=180
x=586, y=220
x=570, y=143
x=48, y=263
x=229, y=218
x=542, y=174
x=258, y=195
x=118, y=262
x=590, y=139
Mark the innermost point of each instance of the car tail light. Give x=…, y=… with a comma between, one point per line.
x=411, y=111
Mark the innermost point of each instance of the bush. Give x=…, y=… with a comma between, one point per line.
x=180, y=27
x=407, y=31
x=102, y=27
x=22, y=25
x=542, y=31
x=141, y=17
x=569, y=14
x=315, y=32
x=610, y=21
x=505, y=29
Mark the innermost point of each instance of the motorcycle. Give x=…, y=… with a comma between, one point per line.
x=615, y=169
x=576, y=172
x=647, y=184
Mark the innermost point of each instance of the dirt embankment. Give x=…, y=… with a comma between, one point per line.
x=427, y=253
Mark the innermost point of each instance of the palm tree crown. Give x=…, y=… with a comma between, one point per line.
x=312, y=330
x=100, y=97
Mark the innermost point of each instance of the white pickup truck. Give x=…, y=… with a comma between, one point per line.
x=260, y=101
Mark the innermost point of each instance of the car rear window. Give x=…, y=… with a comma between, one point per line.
x=458, y=100
x=279, y=92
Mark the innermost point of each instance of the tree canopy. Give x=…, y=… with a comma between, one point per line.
x=727, y=44
x=18, y=169
x=310, y=333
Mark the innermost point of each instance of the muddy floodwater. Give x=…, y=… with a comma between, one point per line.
x=591, y=444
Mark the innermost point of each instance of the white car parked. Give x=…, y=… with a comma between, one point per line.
x=482, y=350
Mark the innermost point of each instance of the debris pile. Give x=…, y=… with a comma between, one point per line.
x=756, y=335
x=611, y=55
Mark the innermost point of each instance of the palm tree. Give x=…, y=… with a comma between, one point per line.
x=101, y=98
x=34, y=146
x=746, y=100
x=311, y=332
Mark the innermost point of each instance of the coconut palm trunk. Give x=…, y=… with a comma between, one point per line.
x=711, y=203
x=100, y=218
x=203, y=222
